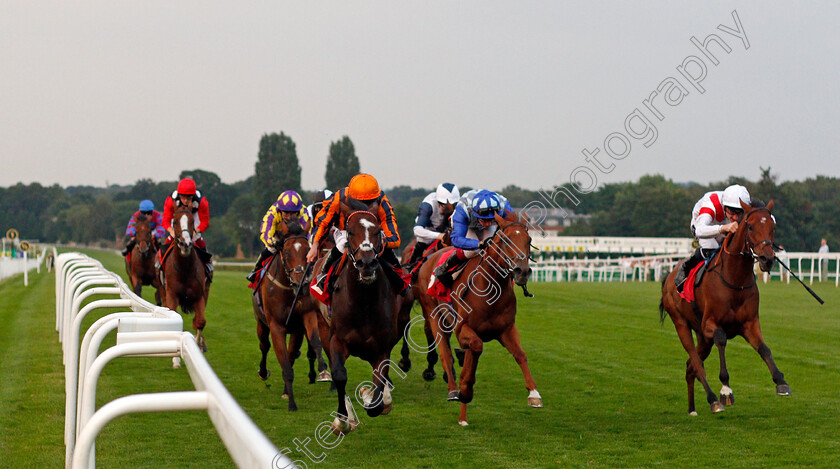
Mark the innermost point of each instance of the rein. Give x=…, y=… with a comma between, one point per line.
x=747, y=250
x=298, y=268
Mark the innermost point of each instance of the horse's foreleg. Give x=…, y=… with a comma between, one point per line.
x=278, y=336
x=694, y=368
x=510, y=340
x=473, y=347
x=726, y=396
x=344, y=422
x=403, y=320
x=432, y=356
x=265, y=346
x=199, y=322
x=315, y=351
x=375, y=404
x=752, y=332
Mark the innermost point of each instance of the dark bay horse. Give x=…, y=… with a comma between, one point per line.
x=141, y=268
x=283, y=277
x=185, y=279
x=483, y=307
x=726, y=305
x=364, y=318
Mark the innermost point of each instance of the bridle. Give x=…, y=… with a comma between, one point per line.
x=749, y=248
x=499, y=246
x=301, y=269
x=365, y=245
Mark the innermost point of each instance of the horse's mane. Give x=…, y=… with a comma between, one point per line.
x=357, y=205
x=757, y=203
x=141, y=217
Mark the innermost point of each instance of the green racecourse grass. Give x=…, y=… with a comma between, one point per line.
x=611, y=377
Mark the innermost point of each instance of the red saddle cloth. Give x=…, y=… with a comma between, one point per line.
x=436, y=289
x=253, y=285
x=324, y=296
x=688, y=287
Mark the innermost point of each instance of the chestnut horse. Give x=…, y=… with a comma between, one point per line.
x=185, y=279
x=283, y=277
x=483, y=308
x=726, y=304
x=364, y=318
x=141, y=269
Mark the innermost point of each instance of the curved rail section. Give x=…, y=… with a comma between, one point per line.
x=143, y=330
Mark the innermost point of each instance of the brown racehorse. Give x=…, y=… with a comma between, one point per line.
x=364, y=318
x=726, y=305
x=277, y=290
x=184, y=275
x=483, y=307
x=141, y=269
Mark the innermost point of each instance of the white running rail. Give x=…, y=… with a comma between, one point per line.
x=145, y=330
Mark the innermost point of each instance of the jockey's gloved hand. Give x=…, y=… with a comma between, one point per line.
x=483, y=244
x=272, y=249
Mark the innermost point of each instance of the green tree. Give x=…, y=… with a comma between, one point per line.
x=342, y=164
x=206, y=181
x=277, y=168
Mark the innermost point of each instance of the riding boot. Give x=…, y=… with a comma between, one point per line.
x=417, y=254
x=686, y=267
x=129, y=246
x=332, y=258
x=391, y=265
x=265, y=254
x=443, y=273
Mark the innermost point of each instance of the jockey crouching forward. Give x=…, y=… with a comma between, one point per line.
x=473, y=223
x=187, y=195
x=147, y=209
x=433, y=218
x=288, y=209
x=714, y=215
x=365, y=189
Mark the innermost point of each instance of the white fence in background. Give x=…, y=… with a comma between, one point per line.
x=808, y=266
x=618, y=245
x=21, y=265
x=142, y=330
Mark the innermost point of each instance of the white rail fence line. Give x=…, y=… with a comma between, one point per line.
x=807, y=266
x=144, y=330
x=10, y=266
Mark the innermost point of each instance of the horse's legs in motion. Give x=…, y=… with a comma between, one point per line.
x=278, y=336
x=443, y=316
x=310, y=356
x=376, y=400
x=310, y=322
x=343, y=423
x=510, y=340
x=694, y=367
x=726, y=396
x=432, y=356
x=199, y=322
x=473, y=347
x=265, y=346
x=752, y=332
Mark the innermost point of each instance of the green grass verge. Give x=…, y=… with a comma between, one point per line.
x=611, y=377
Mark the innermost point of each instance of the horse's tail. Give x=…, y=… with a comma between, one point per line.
x=662, y=302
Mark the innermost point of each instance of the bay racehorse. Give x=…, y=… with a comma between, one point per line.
x=184, y=276
x=364, y=319
x=140, y=263
x=276, y=317
x=726, y=304
x=483, y=308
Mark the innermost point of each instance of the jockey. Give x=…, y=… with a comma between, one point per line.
x=473, y=223
x=365, y=189
x=288, y=209
x=318, y=203
x=433, y=217
x=147, y=209
x=714, y=215
x=187, y=195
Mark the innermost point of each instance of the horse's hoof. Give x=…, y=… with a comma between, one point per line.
x=203, y=347
x=727, y=399
x=267, y=374
x=783, y=390
x=463, y=423
x=388, y=408
x=693, y=413
x=324, y=377
x=453, y=396
x=535, y=402
x=405, y=364
x=717, y=407
x=464, y=399
x=292, y=408
x=176, y=362
x=311, y=379
x=284, y=396
x=376, y=411
x=340, y=427
x=429, y=375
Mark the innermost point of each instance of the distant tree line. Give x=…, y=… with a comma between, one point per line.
x=653, y=206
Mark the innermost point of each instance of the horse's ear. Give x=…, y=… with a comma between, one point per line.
x=770, y=205
x=522, y=217
x=501, y=221
x=345, y=209
x=744, y=206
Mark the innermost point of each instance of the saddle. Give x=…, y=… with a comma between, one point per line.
x=437, y=289
x=332, y=274
x=692, y=281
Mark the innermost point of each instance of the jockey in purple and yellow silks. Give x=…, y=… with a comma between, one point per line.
x=287, y=209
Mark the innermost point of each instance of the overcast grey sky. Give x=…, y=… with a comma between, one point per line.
x=480, y=93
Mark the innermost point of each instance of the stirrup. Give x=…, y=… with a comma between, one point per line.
x=252, y=276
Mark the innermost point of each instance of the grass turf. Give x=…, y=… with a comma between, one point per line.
x=611, y=377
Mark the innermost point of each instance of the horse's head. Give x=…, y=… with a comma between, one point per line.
x=514, y=248
x=143, y=233
x=184, y=224
x=293, y=247
x=759, y=230
x=364, y=243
